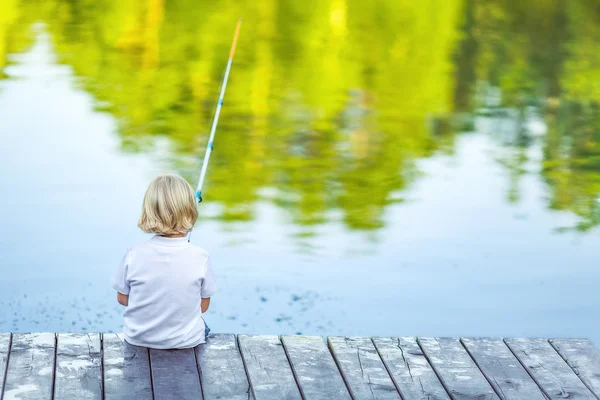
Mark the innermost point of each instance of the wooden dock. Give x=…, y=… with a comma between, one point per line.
x=102, y=366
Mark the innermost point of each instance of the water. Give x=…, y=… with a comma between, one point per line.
x=381, y=168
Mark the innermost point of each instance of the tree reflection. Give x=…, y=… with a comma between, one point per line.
x=331, y=105
x=540, y=54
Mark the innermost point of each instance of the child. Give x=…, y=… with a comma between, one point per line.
x=165, y=283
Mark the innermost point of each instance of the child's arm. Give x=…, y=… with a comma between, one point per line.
x=119, y=280
x=208, y=287
x=123, y=299
x=204, y=304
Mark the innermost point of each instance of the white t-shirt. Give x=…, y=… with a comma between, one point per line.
x=165, y=279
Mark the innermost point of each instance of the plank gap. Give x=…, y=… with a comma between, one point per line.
x=433, y=368
x=285, y=350
x=339, y=367
x=250, y=388
x=54, y=366
x=221, y=368
x=549, y=369
x=590, y=388
x=5, y=372
x=388, y=370
x=527, y=369
x=150, y=368
x=270, y=373
x=102, y=367
x=315, y=368
x=500, y=367
x=199, y=370
x=479, y=368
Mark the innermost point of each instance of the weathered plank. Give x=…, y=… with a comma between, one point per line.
x=584, y=358
x=408, y=367
x=30, y=373
x=175, y=374
x=268, y=368
x=502, y=370
x=126, y=370
x=362, y=368
x=457, y=371
x=316, y=372
x=552, y=374
x=222, y=369
x=78, y=373
x=5, y=339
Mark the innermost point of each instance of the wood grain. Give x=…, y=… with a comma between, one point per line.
x=126, y=369
x=175, y=374
x=78, y=372
x=268, y=369
x=30, y=373
x=362, y=368
x=502, y=369
x=314, y=368
x=455, y=368
x=409, y=368
x=222, y=369
x=552, y=374
x=584, y=358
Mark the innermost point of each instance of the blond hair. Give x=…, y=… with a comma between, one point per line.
x=169, y=206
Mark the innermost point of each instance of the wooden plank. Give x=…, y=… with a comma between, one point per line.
x=5, y=339
x=455, y=368
x=222, y=370
x=409, y=369
x=502, y=370
x=78, y=373
x=584, y=358
x=175, y=374
x=362, y=368
x=552, y=374
x=314, y=368
x=126, y=369
x=268, y=368
x=30, y=373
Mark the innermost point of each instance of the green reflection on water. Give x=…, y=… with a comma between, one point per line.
x=333, y=103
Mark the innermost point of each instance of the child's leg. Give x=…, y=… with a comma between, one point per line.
x=206, y=328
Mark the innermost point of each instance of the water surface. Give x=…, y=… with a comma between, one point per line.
x=380, y=168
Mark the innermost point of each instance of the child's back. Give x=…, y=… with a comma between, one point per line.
x=163, y=282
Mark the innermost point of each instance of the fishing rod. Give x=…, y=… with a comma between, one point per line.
x=213, y=129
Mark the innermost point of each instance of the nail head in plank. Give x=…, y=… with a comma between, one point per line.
x=457, y=371
x=4, y=349
x=221, y=369
x=315, y=370
x=268, y=368
x=584, y=358
x=409, y=368
x=502, y=369
x=175, y=374
x=78, y=373
x=30, y=373
x=126, y=369
x=362, y=368
x=548, y=369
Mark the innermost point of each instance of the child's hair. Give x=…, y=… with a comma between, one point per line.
x=169, y=206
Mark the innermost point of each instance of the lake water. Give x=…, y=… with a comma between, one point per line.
x=381, y=168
